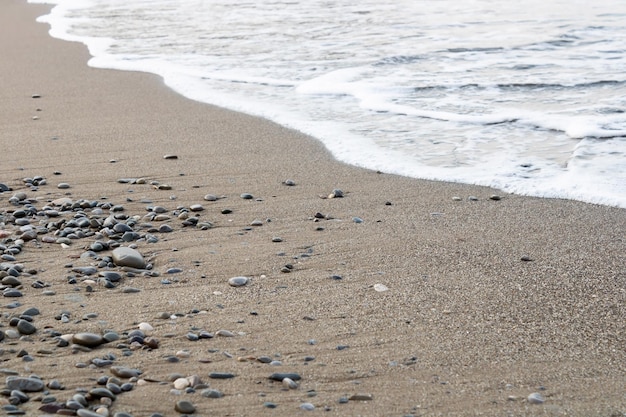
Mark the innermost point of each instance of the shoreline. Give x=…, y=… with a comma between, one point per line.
x=486, y=301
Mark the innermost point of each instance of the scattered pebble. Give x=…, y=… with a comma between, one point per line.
x=238, y=281
x=536, y=398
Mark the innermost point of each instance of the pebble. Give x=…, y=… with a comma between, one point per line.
x=336, y=193
x=210, y=197
x=24, y=384
x=170, y=156
x=211, y=393
x=87, y=339
x=185, y=407
x=63, y=186
x=125, y=256
x=361, y=397
x=290, y=383
x=495, y=197
x=279, y=376
x=247, y=196
x=196, y=207
x=145, y=327
x=221, y=375
x=536, y=398
x=123, y=372
x=289, y=183
x=26, y=327
x=357, y=220
x=238, y=281
x=380, y=287
x=181, y=383
x=307, y=406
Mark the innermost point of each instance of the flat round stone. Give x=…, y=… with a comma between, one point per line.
x=238, y=281
x=125, y=256
x=87, y=339
x=185, y=407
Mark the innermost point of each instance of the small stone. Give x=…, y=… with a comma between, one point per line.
x=225, y=333
x=495, y=197
x=63, y=186
x=238, y=281
x=181, y=383
x=125, y=256
x=11, y=293
x=221, y=375
x=289, y=183
x=526, y=258
x=307, y=406
x=536, y=398
x=24, y=384
x=361, y=397
x=170, y=157
x=26, y=327
x=123, y=372
x=185, y=407
x=290, y=383
x=196, y=207
x=210, y=197
x=247, y=196
x=279, y=376
x=380, y=287
x=277, y=239
x=357, y=220
x=87, y=339
x=336, y=193
x=256, y=223
x=145, y=327
x=211, y=393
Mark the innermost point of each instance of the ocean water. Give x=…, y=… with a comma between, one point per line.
x=526, y=96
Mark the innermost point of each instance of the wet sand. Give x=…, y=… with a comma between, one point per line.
x=484, y=302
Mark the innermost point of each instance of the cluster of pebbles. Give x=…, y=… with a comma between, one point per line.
x=111, y=239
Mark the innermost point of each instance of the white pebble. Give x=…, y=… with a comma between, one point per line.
x=536, y=398
x=181, y=383
x=380, y=287
x=238, y=281
x=145, y=327
x=290, y=383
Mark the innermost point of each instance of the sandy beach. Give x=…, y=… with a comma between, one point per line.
x=402, y=297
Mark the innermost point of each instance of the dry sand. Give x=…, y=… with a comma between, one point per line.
x=466, y=327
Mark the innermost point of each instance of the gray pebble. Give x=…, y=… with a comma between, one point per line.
x=24, y=384
x=123, y=372
x=307, y=406
x=211, y=393
x=125, y=256
x=26, y=327
x=63, y=186
x=238, y=281
x=87, y=339
x=184, y=406
x=536, y=398
x=221, y=375
x=247, y=196
x=279, y=376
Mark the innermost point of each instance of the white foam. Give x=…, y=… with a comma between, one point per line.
x=436, y=96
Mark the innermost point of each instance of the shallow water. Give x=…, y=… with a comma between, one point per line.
x=528, y=97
